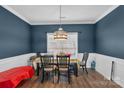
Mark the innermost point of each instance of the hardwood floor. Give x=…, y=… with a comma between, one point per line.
x=92, y=80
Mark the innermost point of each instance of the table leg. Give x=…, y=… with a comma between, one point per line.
x=37, y=69
x=75, y=69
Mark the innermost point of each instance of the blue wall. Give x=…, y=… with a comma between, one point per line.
x=85, y=39
x=110, y=34
x=105, y=37
x=14, y=35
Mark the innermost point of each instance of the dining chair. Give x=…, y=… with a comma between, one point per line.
x=47, y=65
x=83, y=63
x=34, y=62
x=38, y=54
x=63, y=63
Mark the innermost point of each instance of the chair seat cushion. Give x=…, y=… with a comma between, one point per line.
x=81, y=63
x=63, y=69
x=48, y=69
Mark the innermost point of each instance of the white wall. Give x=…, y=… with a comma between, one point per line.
x=21, y=60
x=103, y=66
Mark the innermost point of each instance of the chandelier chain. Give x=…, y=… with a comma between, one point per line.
x=60, y=16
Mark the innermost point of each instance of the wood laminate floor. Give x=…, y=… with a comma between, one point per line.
x=92, y=80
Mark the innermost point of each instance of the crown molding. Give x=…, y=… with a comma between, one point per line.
x=64, y=22
x=106, y=13
x=15, y=13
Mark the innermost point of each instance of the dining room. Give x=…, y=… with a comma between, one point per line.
x=61, y=46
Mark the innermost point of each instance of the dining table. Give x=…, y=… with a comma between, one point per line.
x=36, y=62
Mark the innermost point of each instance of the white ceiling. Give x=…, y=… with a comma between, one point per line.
x=49, y=14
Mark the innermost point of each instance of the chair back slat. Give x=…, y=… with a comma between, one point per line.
x=85, y=57
x=47, y=61
x=63, y=61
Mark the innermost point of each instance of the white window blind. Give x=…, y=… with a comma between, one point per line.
x=69, y=46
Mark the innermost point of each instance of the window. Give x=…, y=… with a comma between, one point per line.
x=69, y=46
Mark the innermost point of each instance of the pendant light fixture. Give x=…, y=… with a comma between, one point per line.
x=60, y=34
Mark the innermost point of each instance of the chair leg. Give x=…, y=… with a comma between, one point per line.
x=83, y=68
x=58, y=76
x=68, y=76
x=86, y=69
x=55, y=71
x=42, y=80
x=53, y=75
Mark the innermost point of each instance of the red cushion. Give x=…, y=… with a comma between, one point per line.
x=11, y=78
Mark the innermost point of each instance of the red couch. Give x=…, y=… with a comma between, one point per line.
x=11, y=78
